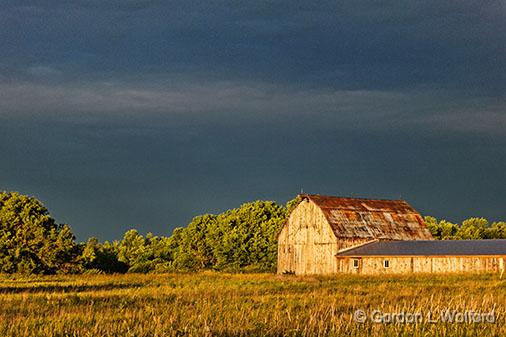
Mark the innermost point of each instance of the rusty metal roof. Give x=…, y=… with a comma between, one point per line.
x=429, y=248
x=371, y=218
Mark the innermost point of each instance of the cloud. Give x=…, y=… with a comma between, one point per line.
x=127, y=5
x=41, y=70
x=232, y=102
x=337, y=65
x=492, y=122
x=336, y=45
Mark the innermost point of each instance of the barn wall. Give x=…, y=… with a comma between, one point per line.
x=306, y=244
x=420, y=264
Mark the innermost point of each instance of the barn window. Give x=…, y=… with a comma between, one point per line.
x=386, y=263
x=356, y=263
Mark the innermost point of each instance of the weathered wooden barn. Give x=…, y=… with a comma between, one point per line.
x=327, y=235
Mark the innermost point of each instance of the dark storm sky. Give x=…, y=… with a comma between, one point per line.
x=123, y=113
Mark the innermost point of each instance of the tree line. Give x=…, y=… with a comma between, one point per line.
x=470, y=229
x=242, y=239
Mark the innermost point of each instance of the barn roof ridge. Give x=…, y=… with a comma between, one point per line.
x=309, y=195
x=366, y=204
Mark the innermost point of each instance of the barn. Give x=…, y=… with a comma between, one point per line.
x=328, y=235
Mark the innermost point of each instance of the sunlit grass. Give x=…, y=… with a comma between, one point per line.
x=242, y=304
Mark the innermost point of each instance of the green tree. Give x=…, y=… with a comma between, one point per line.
x=195, y=250
x=246, y=237
x=473, y=229
x=441, y=230
x=31, y=241
x=470, y=229
x=496, y=231
x=61, y=252
x=102, y=257
x=133, y=249
x=241, y=239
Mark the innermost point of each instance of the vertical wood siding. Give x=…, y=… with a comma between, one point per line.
x=422, y=264
x=307, y=245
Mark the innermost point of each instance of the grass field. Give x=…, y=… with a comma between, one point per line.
x=211, y=304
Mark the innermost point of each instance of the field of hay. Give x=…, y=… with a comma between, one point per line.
x=215, y=304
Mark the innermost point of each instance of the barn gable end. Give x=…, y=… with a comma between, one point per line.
x=306, y=243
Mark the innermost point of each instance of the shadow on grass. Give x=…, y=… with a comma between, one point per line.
x=67, y=288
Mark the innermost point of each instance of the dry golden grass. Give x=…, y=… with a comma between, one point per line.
x=210, y=304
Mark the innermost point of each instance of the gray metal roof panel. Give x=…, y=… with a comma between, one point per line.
x=429, y=248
